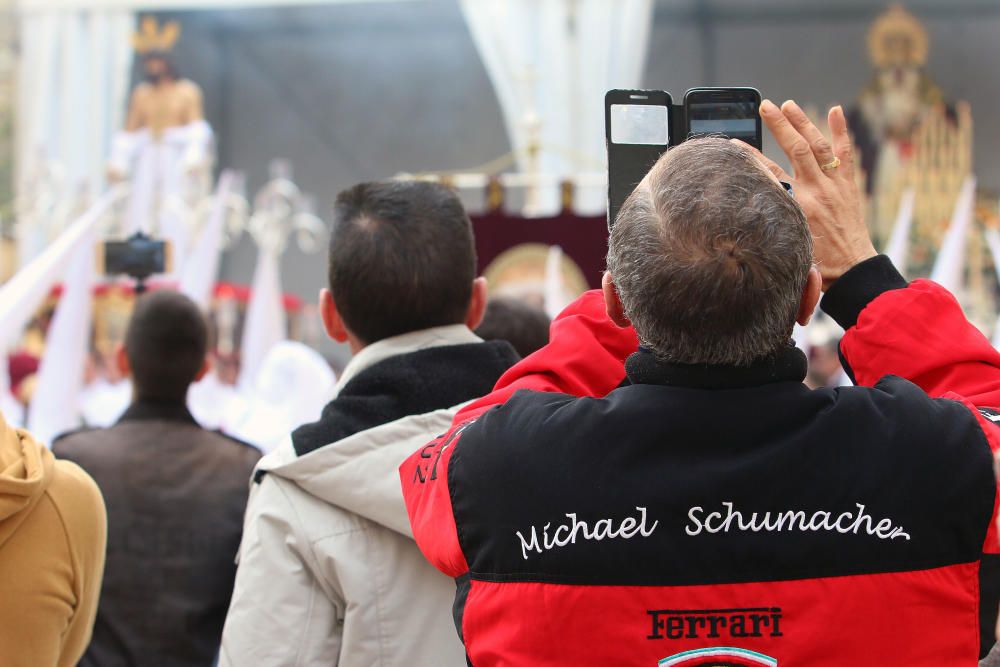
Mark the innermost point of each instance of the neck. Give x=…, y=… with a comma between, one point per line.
x=163, y=400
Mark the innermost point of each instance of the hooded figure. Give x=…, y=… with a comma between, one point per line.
x=53, y=531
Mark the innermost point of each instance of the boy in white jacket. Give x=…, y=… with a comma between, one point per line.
x=329, y=573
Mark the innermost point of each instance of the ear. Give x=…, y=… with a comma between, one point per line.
x=613, y=304
x=477, y=303
x=206, y=366
x=332, y=322
x=810, y=296
x=121, y=361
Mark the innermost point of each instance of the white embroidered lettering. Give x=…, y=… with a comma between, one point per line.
x=790, y=520
x=529, y=545
x=565, y=534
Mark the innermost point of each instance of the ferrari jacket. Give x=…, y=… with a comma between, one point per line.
x=603, y=507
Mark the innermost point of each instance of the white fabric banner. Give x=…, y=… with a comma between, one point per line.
x=55, y=406
x=949, y=267
x=265, y=320
x=202, y=266
x=551, y=61
x=898, y=248
x=993, y=241
x=21, y=295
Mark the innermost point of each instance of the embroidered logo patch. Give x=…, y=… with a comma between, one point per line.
x=715, y=623
x=722, y=656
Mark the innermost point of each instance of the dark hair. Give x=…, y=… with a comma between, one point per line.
x=402, y=258
x=166, y=343
x=522, y=325
x=710, y=256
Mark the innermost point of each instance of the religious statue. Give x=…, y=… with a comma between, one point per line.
x=907, y=136
x=165, y=149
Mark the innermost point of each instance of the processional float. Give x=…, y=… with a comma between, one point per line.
x=160, y=174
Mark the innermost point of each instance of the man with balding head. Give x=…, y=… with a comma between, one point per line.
x=175, y=494
x=668, y=491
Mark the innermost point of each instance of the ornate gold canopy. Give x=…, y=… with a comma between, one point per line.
x=897, y=38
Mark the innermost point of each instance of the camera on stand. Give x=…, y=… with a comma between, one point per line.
x=139, y=257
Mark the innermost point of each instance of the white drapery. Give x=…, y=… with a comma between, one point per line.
x=949, y=266
x=202, y=266
x=55, y=406
x=551, y=61
x=73, y=83
x=898, y=248
x=22, y=294
x=993, y=241
x=70, y=259
x=265, y=324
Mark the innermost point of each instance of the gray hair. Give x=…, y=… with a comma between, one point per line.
x=710, y=256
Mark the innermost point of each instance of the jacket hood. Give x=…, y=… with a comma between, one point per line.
x=400, y=395
x=26, y=468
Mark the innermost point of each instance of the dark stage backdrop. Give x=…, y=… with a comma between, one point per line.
x=582, y=239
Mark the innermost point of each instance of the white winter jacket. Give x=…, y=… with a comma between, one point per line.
x=329, y=573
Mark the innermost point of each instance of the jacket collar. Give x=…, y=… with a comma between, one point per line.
x=427, y=371
x=788, y=365
x=143, y=410
x=452, y=334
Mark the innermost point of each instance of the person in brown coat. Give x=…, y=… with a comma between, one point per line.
x=53, y=531
x=176, y=495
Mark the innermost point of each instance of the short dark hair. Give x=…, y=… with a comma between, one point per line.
x=166, y=342
x=710, y=256
x=524, y=326
x=402, y=258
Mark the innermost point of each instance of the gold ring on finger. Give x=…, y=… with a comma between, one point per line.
x=831, y=165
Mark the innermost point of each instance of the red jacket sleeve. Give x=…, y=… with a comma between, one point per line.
x=918, y=332
x=585, y=357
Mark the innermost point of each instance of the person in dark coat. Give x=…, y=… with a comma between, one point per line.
x=175, y=494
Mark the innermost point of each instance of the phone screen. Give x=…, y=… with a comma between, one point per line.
x=733, y=119
x=638, y=132
x=640, y=124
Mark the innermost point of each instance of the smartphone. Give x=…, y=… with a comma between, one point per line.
x=139, y=256
x=637, y=132
x=731, y=112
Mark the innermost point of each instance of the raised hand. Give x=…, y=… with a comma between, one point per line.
x=824, y=185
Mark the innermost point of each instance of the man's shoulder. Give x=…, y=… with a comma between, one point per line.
x=230, y=441
x=229, y=446
x=281, y=498
x=530, y=409
x=526, y=419
x=906, y=407
x=78, y=440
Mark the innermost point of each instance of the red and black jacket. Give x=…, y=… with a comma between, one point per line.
x=699, y=515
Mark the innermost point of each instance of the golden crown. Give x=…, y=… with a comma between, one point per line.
x=897, y=38
x=151, y=38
